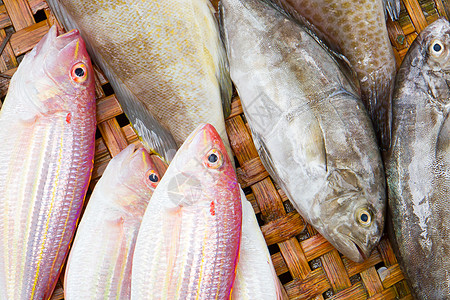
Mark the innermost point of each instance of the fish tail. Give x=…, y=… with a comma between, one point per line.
x=377, y=91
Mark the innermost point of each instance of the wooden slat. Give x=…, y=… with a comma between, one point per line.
x=20, y=13
x=394, y=276
x=283, y=228
x=268, y=200
x=251, y=172
x=108, y=108
x=355, y=292
x=316, y=246
x=371, y=281
x=113, y=136
x=416, y=14
x=313, y=285
x=25, y=39
x=279, y=263
x=8, y=59
x=335, y=270
x=355, y=268
x=295, y=258
x=5, y=21
x=37, y=5
x=385, y=294
x=241, y=141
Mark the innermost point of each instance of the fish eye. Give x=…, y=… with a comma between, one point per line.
x=436, y=48
x=79, y=72
x=152, y=178
x=364, y=217
x=213, y=159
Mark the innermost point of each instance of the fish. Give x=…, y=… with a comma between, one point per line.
x=418, y=164
x=47, y=125
x=188, y=243
x=357, y=29
x=99, y=264
x=255, y=274
x=308, y=124
x=165, y=61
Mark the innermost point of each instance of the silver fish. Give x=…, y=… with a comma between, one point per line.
x=310, y=128
x=164, y=60
x=418, y=164
x=357, y=29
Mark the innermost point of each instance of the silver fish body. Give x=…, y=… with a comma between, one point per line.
x=164, y=60
x=99, y=264
x=418, y=164
x=47, y=128
x=311, y=130
x=357, y=29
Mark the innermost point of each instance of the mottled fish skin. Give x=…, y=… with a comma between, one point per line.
x=312, y=132
x=188, y=243
x=47, y=127
x=357, y=29
x=99, y=264
x=255, y=275
x=418, y=164
x=164, y=59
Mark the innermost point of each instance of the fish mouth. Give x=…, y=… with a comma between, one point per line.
x=349, y=248
x=69, y=36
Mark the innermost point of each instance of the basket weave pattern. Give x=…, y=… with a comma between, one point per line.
x=307, y=265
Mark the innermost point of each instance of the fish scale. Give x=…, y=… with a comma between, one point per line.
x=162, y=58
x=40, y=214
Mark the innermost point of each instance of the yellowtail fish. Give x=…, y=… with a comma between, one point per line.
x=164, y=60
x=47, y=128
x=188, y=243
x=308, y=124
x=358, y=30
x=255, y=275
x=99, y=264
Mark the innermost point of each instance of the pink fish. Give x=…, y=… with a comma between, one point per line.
x=188, y=243
x=99, y=264
x=47, y=129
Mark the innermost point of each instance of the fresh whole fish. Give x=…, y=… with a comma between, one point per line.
x=99, y=264
x=358, y=30
x=311, y=130
x=255, y=275
x=47, y=128
x=188, y=243
x=418, y=164
x=164, y=60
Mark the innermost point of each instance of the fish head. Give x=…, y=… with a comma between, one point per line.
x=352, y=215
x=57, y=73
x=130, y=179
x=201, y=170
x=435, y=44
x=428, y=62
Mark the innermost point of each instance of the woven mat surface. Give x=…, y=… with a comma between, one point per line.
x=307, y=265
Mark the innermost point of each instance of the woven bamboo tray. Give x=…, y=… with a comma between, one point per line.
x=307, y=265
